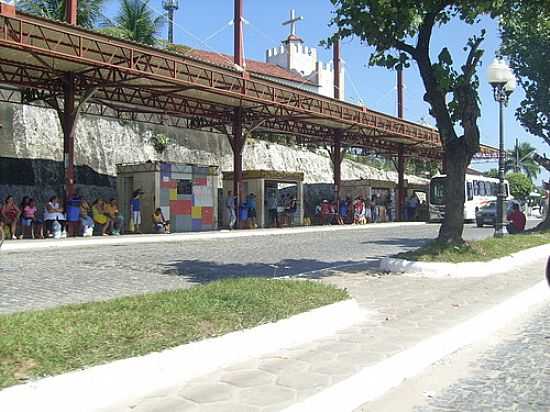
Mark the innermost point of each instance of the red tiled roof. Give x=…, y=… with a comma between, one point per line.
x=254, y=66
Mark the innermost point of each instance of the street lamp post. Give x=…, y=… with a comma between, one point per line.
x=502, y=79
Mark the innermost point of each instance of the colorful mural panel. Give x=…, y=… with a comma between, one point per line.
x=187, y=197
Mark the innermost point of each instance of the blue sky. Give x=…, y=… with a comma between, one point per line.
x=204, y=25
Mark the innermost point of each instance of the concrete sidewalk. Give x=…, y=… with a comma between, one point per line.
x=39, y=244
x=405, y=311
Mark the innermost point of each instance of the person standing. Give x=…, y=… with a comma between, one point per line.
x=251, y=204
x=230, y=206
x=412, y=205
x=273, y=212
x=73, y=215
x=135, y=210
x=10, y=215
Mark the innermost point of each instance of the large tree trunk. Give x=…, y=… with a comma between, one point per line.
x=544, y=162
x=453, y=225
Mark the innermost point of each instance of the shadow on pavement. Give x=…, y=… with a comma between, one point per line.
x=200, y=271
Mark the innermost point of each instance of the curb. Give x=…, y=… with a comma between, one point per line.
x=107, y=385
x=373, y=381
x=466, y=269
x=24, y=245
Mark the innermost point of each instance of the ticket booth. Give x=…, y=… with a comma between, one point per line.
x=187, y=194
x=270, y=188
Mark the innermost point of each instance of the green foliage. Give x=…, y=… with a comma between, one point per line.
x=160, y=142
x=520, y=159
x=525, y=32
x=520, y=185
x=136, y=22
x=89, y=11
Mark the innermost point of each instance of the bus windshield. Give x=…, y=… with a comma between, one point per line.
x=437, y=191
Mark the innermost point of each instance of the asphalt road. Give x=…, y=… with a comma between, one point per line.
x=45, y=278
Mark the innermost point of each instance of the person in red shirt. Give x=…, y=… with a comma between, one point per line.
x=517, y=220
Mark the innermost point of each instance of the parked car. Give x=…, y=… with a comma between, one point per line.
x=487, y=214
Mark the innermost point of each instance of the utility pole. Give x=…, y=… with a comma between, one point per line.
x=401, y=162
x=170, y=6
x=517, y=156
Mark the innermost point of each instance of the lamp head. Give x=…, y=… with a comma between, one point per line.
x=498, y=73
x=511, y=84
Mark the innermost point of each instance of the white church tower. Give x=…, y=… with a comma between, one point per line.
x=293, y=55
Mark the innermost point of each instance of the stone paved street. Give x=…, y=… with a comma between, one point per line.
x=50, y=277
x=514, y=376
x=403, y=312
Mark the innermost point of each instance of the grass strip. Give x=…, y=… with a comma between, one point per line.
x=48, y=342
x=477, y=251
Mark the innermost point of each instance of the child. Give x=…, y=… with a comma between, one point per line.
x=160, y=224
x=135, y=210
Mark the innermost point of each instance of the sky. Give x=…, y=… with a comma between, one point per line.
x=206, y=25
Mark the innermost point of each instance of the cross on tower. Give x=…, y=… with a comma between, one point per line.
x=292, y=22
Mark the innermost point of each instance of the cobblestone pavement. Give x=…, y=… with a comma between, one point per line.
x=45, y=278
x=403, y=311
x=513, y=376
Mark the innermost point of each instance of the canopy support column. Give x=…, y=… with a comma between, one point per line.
x=68, y=117
x=237, y=140
x=71, y=11
x=336, y=156
x=401, y=185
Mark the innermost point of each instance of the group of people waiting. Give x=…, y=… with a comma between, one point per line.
x=359, y=211
x=281, y=211
x=75, y=218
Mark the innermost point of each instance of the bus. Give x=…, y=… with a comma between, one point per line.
x=478, y=191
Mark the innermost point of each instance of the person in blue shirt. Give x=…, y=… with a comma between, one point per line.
x=135, y=210
x=251, y=205
x=73, y=214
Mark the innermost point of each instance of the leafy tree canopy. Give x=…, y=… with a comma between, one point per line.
x=401, y=31
x=89, y=11
x=520, y=185
x=520, y=159
x=136, y=22
x=525, y=32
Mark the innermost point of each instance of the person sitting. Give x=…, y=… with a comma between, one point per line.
x=86, y=222
x=99, y=216
x=32, y=226
x=10, y=215
x=112, y=211
x=160, y=224
x=517, y=220
x=53, y=212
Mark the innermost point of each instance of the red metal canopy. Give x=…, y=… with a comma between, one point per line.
x=134, y=82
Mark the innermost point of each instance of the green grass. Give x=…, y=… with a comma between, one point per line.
x=49, y=342
x=482, y=250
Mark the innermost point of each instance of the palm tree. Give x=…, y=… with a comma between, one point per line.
x=136, y=22
x=89, y=11
x=520, y=159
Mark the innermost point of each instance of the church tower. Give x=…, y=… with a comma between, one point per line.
x=293, y=55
